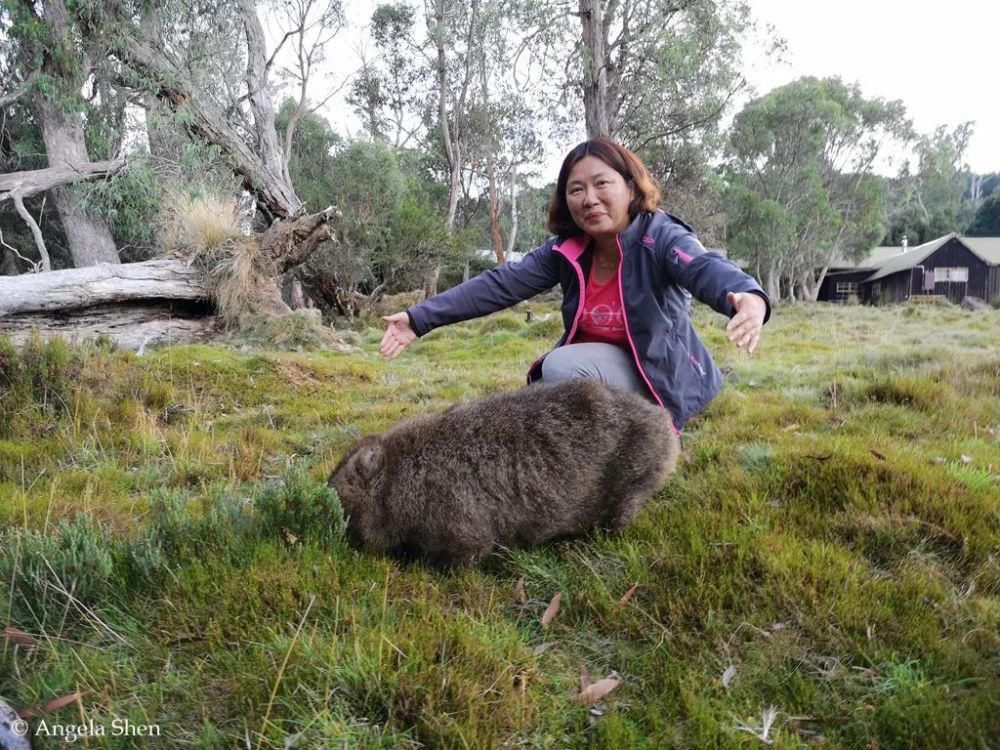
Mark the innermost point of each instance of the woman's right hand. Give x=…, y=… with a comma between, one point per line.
x=398, y=335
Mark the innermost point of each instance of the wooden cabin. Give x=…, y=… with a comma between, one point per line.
x=951, y=266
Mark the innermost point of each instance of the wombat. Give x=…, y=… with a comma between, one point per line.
x=509, y=470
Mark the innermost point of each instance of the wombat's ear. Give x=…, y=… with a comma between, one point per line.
x=369, y=460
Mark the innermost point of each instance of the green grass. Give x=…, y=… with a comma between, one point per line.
x=832, y=536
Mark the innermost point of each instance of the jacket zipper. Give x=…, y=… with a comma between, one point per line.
x=628, y=332
x=579, y=302
x=579, y=308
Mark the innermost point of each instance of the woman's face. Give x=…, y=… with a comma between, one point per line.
x=598, y=197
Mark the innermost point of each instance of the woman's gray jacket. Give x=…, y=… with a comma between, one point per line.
x=660, y=259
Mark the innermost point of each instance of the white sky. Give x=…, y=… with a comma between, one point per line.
x=940, y=59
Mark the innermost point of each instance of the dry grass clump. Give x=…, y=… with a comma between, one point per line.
x=206, y=230
x=197, y=225
x=238, y=280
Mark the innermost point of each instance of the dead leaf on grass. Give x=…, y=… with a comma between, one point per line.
x=522, y=598
x=596, y=691
x=550, y=611
x=56, y=703
x=53, y=705
x=19, y=638
x=628, y=595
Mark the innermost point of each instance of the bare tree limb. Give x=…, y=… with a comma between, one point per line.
x=32, y=182
x=36, y=265
x=9, y=98
x=36, y=231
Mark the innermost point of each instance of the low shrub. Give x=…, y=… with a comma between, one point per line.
x=36, y=381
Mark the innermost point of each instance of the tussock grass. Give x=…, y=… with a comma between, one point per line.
x=830, y=543
x=198, y=224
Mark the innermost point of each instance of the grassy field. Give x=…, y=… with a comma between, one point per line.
x=824, y=568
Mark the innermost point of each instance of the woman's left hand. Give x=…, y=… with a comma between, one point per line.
x=744, y=327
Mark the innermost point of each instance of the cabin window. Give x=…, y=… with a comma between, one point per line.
x=951, y=274
x=846, y=289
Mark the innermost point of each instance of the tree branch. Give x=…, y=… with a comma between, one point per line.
x=36, y=231
x=29, y=183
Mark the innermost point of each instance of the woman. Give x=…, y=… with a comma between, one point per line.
x=623, y=265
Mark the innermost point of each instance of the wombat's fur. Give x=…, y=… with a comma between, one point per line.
x=515, y=469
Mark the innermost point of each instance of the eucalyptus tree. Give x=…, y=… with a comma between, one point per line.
x=443, y=82
x=50, y=64
x=933, y=199
x=657, y=76
x=986, y=222
x=801, y=159
x=647, y=71
x=389, y=92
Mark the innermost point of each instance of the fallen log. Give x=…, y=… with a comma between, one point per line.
x=168, y=300
x=134, y=326
x=76, y=288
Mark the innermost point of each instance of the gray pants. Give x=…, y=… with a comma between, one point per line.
x=607, y=363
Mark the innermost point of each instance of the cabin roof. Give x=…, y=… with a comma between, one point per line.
x=909, y=259
x=987, y=248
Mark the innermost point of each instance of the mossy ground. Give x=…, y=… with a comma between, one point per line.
x=832, y=535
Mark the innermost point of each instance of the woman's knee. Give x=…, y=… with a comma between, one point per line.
x=562, y=364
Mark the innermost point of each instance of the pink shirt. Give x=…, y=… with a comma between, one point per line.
x=602, y=320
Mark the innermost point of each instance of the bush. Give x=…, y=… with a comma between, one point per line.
x=300, y=509
x=36, y=381
x=50, y=571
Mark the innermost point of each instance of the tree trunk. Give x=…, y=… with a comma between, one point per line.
x=773, y=283
x=495, y=212
x=88, y=237
x=512, y=238
x=450, y=136
x=597, y=101
x=491, y=170
x=8, y=263
x=271, y=153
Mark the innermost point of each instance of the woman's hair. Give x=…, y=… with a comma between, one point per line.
x=620, y=159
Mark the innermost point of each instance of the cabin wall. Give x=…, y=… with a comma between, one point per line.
x=983, y=280
x=830, y=292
